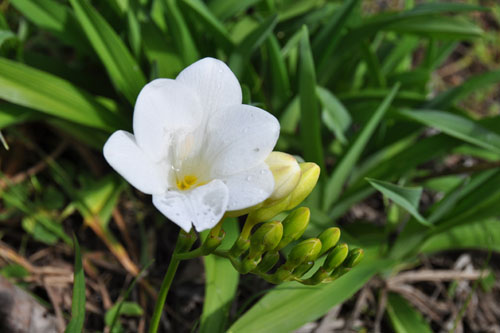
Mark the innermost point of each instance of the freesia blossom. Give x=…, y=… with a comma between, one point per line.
x=196, y=148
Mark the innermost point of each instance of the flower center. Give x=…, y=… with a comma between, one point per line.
x=186, y=182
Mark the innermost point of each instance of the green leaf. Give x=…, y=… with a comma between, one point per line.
x=123, y=308
x=55, y=17
x=473, y=84
x=339, y=177
x=180, y=32
x=122, y=68
x=405, y=197
x=281, y=89
x=11, y=114
x=335, y=115
x=26, y=86
x=404, y=318
x=289, y=306
x=75, y=325
x=240, y=57
x=458, y=127
x=224, y=9
x=440, y=27
x=310, y=119
x=210, y=22
x=326, y=41
x=481, y=235
x=221, y=282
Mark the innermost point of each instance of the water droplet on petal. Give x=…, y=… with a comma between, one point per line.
x=249, y=178
x=263, y=171
x=256, y=150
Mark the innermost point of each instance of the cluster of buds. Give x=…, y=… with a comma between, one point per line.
x=259, y=246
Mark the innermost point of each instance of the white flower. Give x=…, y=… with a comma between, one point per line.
x=195, y=147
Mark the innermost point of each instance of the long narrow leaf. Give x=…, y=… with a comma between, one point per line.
x=26, y=86
x=458, y=127
x=342, y=171
x=404, y=318
x=78, y=302
x=122, y=68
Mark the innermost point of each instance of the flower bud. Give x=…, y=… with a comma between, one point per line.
x=240, y=246
x=286, y=172
x=294, y=225
x=307, y=182
x=329, y=239
x=336, y=257
x=266, y=238
x=270, y=259
x=213, y=241
x=303, y=268
x=355, y=256
x=267, y=212
x=249, y=264
x=318, y=277
x=307, y=250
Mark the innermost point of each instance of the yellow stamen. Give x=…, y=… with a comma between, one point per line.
x=186, y=183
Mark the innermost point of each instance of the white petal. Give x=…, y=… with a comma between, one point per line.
x=239, y=138
x=163, y=107
x=215, y=84
x=250, y=187
x=123, y=154
x=202, y=207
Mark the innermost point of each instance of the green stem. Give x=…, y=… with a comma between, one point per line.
x=189, y=255
x=165, y=286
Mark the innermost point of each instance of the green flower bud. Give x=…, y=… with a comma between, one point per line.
x=240, y=246
x=318, y=277
x=249, y=264
x=286, y=172
x=282, y=274
x=213, y=241
x=355, y=256
x=303, y=268
x=336, y=257
x=307, y=182
x=266, y=238
x=305, y=251
x=329, y=239
x=270, y=259
x=294, y=225
x=267, y=212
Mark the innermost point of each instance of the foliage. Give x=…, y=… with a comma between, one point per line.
x=356, y=87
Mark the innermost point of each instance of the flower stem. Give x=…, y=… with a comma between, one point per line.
x=165, y=286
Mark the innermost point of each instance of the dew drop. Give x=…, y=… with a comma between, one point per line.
x=249, y=178
x=212, y=221
x=256, y=150
x=263, y=171
x=245, y=130
x=220, y=70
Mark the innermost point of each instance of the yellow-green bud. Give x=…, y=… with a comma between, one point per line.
x=248, y=264
x=213, y=241
x=318, y=277
x=286, y=172
x=329, y=239
x=336, y=257
x=240, y=246
x=270, y=259
x=266, y=238
x=307, y=250
x=355, y=256
x=307, y=182
x=303, y=268
x=266, y=213
x=294, y=225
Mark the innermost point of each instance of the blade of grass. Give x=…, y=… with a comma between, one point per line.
x=78, y=302
x=335, y=115
x=405, y=197
x=339, y=177
x=220, y=285
x=26, y=86
x=122, y=68
x=458, y=127
x=404, y=318
x=310, y=118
